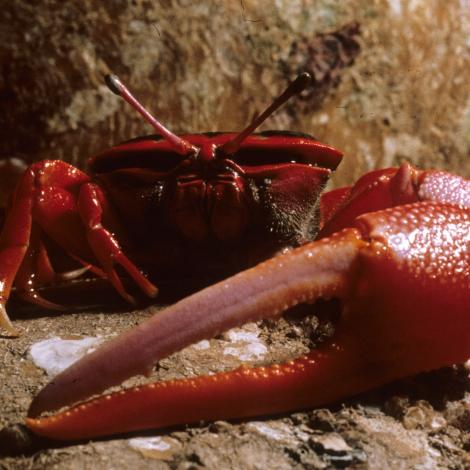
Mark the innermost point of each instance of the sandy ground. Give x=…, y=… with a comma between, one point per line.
x=422, y=422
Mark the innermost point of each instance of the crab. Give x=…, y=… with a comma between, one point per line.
x=394, y=249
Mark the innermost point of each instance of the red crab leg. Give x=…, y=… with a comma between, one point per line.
x=104, y=245
x=45, y=194
x=35, y=270
x=14, y=242
x=60, y=201
x=404, y=279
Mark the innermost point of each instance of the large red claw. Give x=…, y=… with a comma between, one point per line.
x=404, y=280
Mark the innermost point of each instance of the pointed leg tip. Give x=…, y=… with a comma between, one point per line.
x=6, y=324
x=34, y=298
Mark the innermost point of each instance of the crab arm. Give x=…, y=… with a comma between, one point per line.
x=404, y=280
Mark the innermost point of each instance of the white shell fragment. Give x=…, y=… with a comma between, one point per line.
x=56, y=354
x=245, y=345
x=201, y=345
x=149, y=443
x=158, y=448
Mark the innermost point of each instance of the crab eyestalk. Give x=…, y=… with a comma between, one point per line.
x=294, y=88
x=183, y=147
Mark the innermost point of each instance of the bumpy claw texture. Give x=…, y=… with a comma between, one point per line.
x=402, y=275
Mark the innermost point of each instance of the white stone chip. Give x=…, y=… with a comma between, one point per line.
x=56, y=354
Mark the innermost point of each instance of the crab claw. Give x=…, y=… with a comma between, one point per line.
x=402, y=275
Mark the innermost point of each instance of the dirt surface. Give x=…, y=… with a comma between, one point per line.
x=391, y=84
x=420, y=423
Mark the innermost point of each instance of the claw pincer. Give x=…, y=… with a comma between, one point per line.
x=403, y=278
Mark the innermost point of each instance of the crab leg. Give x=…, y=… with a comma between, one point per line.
x=14, y=243
x=403, y=277
x=35, y=270
x=104, y=245
x=54, y=198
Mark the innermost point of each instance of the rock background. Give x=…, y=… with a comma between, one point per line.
x=392, y=83
x=391, y=76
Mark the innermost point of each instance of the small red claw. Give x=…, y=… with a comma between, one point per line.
x=402, y=275
x=390, y=187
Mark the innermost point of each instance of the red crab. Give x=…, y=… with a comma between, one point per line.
x=395, y=251
x=394, y=248
x=178, y=206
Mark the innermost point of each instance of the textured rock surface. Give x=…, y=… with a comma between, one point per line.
x=391, y=84
x=211, y=66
